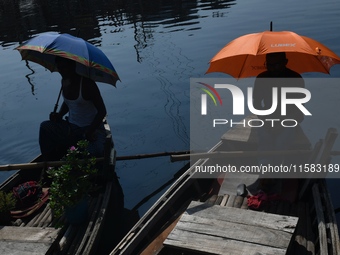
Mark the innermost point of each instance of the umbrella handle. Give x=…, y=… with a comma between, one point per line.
x=56, y=104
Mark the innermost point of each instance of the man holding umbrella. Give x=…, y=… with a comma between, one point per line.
x=244, y=57
x=80, y=64
x=86, y=111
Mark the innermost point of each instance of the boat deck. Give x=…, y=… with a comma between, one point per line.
x=223, y=229
x=40, y=233
x=24, y=241
x=209, y=215
x=224, y=225
x=295, y=223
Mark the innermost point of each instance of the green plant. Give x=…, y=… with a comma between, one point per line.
x=71, y=181
x=7, y=202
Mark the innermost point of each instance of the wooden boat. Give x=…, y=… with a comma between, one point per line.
x=208, y=216
x=39, y=233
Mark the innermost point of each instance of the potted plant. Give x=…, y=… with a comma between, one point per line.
x=7, y=203
x=71, y=183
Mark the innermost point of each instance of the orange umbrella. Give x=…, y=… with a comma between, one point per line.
x=246, y=55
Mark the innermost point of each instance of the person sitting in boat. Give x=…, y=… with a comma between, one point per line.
x=86, y=111
x=273, y=135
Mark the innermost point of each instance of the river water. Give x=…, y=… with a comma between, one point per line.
x=156, y=47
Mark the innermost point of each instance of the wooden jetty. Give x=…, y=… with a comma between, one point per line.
x=209, y=216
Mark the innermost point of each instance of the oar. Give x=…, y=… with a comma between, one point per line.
x=152, y=155
x=335, y=153
x=45, y=164
x=236, y=154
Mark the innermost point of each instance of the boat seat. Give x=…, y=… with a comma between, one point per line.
x=303, y=237
x=215, y=229
x=26, y=240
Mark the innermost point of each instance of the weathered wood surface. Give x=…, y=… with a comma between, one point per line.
x=226, y=230
x=28, y=240
x=321, y=221
x=332, y=224
x=157, y=244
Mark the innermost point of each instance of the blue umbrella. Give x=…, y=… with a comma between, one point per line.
x=91, y=61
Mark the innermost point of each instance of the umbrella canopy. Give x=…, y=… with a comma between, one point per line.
x=246, y=55
x=91, y=61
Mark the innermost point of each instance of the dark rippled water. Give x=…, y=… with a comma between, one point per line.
x=156, y=47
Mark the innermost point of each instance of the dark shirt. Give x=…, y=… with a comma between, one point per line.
x=263, y=95
x=287, y=73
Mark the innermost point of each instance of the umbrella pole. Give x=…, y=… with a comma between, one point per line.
x=56, y=104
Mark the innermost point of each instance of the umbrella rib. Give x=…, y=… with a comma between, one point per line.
x=243, y=64
x=323, y=66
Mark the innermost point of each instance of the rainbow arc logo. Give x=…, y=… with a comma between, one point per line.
x=213, y=94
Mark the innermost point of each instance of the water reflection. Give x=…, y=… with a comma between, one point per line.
x=90, y=19
x=166, y=67
x=28, y=76
x=159, y=56
x=20, y=19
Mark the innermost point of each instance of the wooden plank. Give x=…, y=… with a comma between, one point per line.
x=226, y=230
x=248, y=233
x=88, y=229
x=47, y=218
x=300, y=240
x=310, y=234
x=307, y=183
x=245, y=203
x=224, y=200
x=237, y=215
x=27, y=240
x=231, y=200
x=238, y=201
x=332, y=224
x=91, y=245
x=323, y=158
x=28, y=234
x=321, y=220
x=218, y=200
x=219, y=245
x=23, y=248
x=157, y=244
x=212, y=200
x=67, y=238
x=320, y=155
